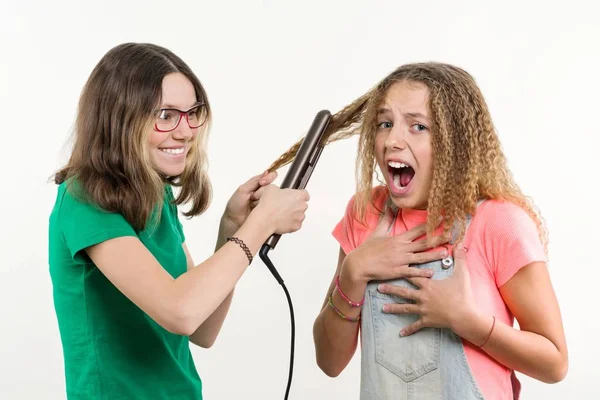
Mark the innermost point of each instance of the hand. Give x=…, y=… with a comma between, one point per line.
x=244, y=199
x=283, y=209
x=446, y=303
x=383, y=257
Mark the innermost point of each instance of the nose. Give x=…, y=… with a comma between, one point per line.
x=396, y=139
x=183, y=130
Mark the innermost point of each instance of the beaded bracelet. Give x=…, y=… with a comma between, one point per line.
x=350, y=302
x=341, y=314
x=241, y=243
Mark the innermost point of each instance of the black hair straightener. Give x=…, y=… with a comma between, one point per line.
x=296, y=178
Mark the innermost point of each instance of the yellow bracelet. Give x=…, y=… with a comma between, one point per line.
x=341, y=314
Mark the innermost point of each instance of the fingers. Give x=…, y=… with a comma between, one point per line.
x=417, y=281
x=406, y=271
x=257, y=194
x=460, y=259
x=425, y=257
x=412, y=328
x=425, y=244
x=304, y=195
x=399, y=291
x=414, y=233
x=417, y=232
x=252, y=184
x=400, y=308
x=267, y=178
x=257, y=181
x=460, y=253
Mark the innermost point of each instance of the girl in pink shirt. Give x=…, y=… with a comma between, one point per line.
x=437, y=261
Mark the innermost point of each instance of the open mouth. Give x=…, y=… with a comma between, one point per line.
x=173, y=151
x=401, y=174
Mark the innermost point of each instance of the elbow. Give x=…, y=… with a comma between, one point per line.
x=558, y=372
x=329, y=368
x=205, y=343
x=553, y=371
x=180, y=326
x=330, y=363
x=180, y=320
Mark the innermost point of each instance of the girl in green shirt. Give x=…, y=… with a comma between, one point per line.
x=128, y=296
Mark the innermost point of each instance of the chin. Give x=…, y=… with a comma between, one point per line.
x=171, y=171
x=408, y=203
x=409, y=200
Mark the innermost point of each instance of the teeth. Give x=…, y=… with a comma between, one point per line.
x=173, y=151
x=397, y=164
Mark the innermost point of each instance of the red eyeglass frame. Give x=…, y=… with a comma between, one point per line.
x=181, y=114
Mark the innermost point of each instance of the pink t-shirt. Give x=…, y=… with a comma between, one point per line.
x=501, y=239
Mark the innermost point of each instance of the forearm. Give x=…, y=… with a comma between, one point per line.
x=207, y=333
x=336, y=339
x=527, y=352
x=204, y=289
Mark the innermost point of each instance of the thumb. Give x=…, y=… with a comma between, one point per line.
x=385, y=223
x=253, y=183
x=460, y=260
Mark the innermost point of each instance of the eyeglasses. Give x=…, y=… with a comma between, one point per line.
x=168, y=119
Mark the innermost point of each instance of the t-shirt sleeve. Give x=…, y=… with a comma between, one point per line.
x=511, y=240
x=84, y=225
x=344, y=232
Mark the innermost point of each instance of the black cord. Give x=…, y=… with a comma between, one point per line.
x=263, y=255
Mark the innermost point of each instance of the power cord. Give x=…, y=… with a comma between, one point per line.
x=263, y=256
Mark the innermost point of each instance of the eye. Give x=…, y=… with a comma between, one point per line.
x=194, y=111
x=384, y=125
x=166, y=115
x=419, y=127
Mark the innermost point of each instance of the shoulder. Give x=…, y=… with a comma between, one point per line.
x=74, y=209
x=352, y=228
x=502, y=217
x=375, y=207
x=510, y=238
x=74, y=199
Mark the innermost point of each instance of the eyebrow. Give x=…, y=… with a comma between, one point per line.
x=170, y=106
x=410, y=114
x=416, y=115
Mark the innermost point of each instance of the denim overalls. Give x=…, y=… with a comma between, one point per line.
x=429, y=364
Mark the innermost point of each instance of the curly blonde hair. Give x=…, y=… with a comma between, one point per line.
x=469, y=164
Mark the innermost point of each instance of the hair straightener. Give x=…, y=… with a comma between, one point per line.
x=296, y=178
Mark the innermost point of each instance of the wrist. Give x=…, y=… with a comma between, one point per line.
x=259, y=225
x=473, y=326
x=350, y=272
x=351, y=281
x=228, y=226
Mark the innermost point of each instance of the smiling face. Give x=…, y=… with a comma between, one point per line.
x=168, y=150
x=403, y=144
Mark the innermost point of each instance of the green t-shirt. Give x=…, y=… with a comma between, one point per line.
x=112, y=349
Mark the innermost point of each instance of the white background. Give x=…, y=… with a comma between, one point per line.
x=268, y=68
